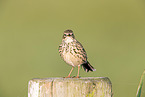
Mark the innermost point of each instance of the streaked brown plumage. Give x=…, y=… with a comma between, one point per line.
x=73, y=53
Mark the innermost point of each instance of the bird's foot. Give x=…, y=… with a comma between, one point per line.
x=77, y=77
x=68, y=77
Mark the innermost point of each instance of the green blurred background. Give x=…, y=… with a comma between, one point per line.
x=112, y=32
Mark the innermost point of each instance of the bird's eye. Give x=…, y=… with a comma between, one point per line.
x=64, y=35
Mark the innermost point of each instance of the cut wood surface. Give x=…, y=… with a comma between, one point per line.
x=70, y=87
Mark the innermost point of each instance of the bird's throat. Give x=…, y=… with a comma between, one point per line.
x=68, y=40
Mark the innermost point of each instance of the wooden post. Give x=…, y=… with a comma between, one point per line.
x=70, y=87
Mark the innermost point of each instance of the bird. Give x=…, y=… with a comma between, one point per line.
x=73, y=53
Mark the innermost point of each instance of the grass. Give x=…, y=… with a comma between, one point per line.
x=138, y=94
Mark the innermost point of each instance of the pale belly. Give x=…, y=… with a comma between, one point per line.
x=72, y=60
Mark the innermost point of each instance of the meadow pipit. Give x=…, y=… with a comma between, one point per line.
x=73, y=53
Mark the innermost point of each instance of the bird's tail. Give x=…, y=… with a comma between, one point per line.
x=87, y=67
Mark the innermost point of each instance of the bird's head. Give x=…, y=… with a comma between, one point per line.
x=68, y=33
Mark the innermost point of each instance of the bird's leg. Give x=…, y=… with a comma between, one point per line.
x=70, y=73
x=78, y=71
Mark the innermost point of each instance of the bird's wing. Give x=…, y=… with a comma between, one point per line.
x=79, y=50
